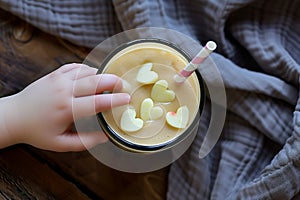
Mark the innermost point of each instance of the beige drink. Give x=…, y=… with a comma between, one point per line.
x=166, y=62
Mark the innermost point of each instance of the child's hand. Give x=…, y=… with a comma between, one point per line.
x=42, y=114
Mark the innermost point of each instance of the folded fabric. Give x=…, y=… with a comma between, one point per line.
x=258, y=154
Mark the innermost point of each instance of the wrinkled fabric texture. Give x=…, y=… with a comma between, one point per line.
x=258, y=154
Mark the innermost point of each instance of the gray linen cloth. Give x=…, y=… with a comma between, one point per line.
x=258, y=154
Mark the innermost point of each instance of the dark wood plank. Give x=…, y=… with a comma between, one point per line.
x=24, y=177
x=27, y=53
x=102, y=181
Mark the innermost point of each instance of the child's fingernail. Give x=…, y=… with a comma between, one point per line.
x=126, y=85
x=127, y=97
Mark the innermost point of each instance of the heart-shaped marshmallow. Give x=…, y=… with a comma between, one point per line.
x=161, y=93
x=150, y=112
x=129, y=122
x=145, y=75
x=180, y=118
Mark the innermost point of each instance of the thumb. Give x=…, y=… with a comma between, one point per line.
x=79, y=141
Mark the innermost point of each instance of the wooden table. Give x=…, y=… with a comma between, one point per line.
x=26, y=54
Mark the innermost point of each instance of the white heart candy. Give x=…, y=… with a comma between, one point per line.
x=156, y=112
x=161, y=93
x=145, y=75
x=180, y=118
x=129, y=122
x=148, y=111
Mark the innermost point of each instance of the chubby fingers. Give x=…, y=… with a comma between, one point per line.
x=96, y=84
x=87, y=88
x=91, y=105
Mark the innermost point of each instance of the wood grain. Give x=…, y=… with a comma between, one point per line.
x=27, y=53
x=102, y=181
x=24, y=177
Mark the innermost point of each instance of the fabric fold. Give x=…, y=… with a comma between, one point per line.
x=257, y=155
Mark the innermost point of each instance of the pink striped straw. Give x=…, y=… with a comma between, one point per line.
x=195, y=63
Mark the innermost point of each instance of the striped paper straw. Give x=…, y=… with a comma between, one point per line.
x=197, y=60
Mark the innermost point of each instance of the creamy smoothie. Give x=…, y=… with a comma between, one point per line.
x=165, y=62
